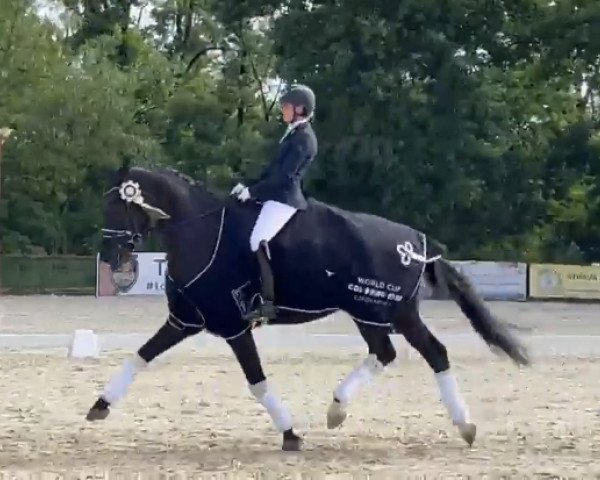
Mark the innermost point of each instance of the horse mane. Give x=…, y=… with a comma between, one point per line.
x=195, y=184
x=184, y=177
x=199, y=190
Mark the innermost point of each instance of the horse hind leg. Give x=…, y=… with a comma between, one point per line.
x=434, y=352
x=381, y=354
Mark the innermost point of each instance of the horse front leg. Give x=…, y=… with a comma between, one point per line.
x=381, y=354
x=165, y=338
x=244, y=349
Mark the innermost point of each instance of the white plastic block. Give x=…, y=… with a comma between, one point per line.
x=84, y=344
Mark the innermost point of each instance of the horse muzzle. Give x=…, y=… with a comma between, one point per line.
x=118, y=251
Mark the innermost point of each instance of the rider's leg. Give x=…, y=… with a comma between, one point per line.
x=271, y=219
x=267, y=281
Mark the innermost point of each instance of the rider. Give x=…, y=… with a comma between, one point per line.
x=279, y=186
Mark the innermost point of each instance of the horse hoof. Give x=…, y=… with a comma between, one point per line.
x=335, y=415
x=99, y=410
x=291, y=442
x=96, y=414
x=468, y=431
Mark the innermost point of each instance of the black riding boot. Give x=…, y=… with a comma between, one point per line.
x=266, y=310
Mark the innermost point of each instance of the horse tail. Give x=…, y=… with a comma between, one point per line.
x=493, y=331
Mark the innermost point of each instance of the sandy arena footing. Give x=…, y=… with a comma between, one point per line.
x=191, y=414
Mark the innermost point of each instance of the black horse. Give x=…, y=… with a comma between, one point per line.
x=325, y=260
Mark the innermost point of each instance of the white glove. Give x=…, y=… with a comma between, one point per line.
x=237, y=189
x=244, y=195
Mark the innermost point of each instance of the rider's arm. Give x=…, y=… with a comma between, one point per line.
x=292, y=162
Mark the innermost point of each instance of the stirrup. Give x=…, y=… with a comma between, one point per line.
x=268, y=310
x=263, y=313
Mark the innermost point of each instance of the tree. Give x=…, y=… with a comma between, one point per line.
x=429, y=113
x=461, y=118
x=71, y=119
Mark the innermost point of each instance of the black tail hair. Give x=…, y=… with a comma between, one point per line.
x=494, y=332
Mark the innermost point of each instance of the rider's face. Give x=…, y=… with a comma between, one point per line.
x=287, y=112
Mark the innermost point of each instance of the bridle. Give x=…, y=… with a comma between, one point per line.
x=134, y=235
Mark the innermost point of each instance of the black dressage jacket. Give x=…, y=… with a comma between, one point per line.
x=282, y=178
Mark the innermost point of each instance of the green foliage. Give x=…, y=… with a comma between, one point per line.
x=463, y=118
x=66, y=275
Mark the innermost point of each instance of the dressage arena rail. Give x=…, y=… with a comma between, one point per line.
x=278, y=339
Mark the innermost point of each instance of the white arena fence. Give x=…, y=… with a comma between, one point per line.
x=508, y=281
x=494, y=280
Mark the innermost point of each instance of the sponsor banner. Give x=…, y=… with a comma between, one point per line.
x=496, y=280
x=564, y=281
x=145, y=276
x=492, y=280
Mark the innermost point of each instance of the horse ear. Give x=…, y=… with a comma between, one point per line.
x=112, y=177
x=107, y=175
x=121, y=174
x=126, y=165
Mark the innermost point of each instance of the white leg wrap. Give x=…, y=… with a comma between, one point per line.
x=451, y=397
x=117, y=388
x=364, y=373
x=277, y=410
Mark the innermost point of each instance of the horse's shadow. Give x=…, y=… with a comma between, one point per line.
x=263, y=454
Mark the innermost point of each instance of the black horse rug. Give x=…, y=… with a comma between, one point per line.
x=325, y=259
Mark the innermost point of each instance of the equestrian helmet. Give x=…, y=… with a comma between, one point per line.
x=300, y=96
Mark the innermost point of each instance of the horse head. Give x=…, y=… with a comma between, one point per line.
x=140, y=201
x=134, y=205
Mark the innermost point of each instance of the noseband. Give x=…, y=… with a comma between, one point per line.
x=132, y=234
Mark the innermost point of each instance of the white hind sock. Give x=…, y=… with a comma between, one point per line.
x=451, y=397
x=117, y=388
x=364, y=373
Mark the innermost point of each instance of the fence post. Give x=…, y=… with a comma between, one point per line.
x=4, y=134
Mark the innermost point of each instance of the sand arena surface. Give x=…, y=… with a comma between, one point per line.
x=55, y=314
x=192, y=413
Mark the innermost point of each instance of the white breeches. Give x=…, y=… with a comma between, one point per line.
x=272, y=218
